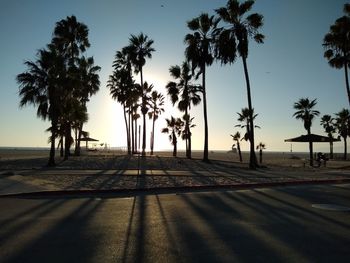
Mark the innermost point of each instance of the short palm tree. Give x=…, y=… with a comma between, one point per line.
x=185, y=94
x=306, y=113
x=140, y=48
x=200, y=52
x=261, y=146
x=244, y=118
x=236, y=137
x=157, y=108
x=234, y=39
x=174, y=128
x=327, y=123
x=342, y=124
x=337, y=47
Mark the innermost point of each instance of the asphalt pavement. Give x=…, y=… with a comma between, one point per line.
x=284, y=224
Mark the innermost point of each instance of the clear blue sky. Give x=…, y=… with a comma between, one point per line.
x=288, y=66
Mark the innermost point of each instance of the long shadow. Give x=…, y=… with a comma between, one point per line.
x=68, y=235
x=127, y=244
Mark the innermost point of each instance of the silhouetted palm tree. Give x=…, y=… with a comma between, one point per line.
x=306, y=113
x=140, y=48
x=337, y=47
x=89, y=85
x=186, y=133
x=244, y=117
x=157, y=108
x=174, y=128
x=71, y=39
x=233, y=39
x=328, y=124
x=236, y=137
x=261, y=146
x=200, y=52
x=122, y=88
x=185, y=93
x=40, y=86
x=342, y=124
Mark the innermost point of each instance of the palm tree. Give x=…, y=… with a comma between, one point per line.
x=186, y=133
x=261, y=146
x=328, y=124
x=235, y=39
x=122, y=87
x=244, y=117
x=306, y=113
x=140, y=48
x=342, y=124
x=174, y=128
x=71, y=39
x=236, y=137
x=200, y=52
x=336, y=44
x=157, y=107
x=40, y=86
x=89, y=85
x=186, y=94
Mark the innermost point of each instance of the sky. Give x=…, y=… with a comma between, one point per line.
x=288, y=66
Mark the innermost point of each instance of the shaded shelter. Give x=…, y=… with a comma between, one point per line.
x=312, y=138
x=88, y=139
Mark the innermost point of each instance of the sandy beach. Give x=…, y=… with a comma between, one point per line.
x=23, y=171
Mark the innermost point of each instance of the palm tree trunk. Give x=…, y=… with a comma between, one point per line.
x=127, y=131
x=239, y=151
x=345, y=149
x=137, y=134
x=175, y=144
x=260, y=155
x=311, y=149
x=331, y=150
x=347, y=81
x=152, y=138
x=68, y=141
x=252, y=161
x=132, y=122
x=61, y=143
x=144, y=135
x=188, y=137
x=205, y=153
x=52, y=149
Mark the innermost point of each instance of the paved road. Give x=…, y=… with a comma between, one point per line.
x=263, y=225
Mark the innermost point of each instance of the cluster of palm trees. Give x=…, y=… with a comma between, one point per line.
x=340, y=124
x=134, y=96
x=60, y=82
x=223, y=37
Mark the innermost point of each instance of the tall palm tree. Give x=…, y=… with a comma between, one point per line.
x=186, y=94
x=122, y=87
x=71, y=39
x=328, y=124
x=234, y=39
x=306, y=113
x=140, y=48
x=342, y=124
x=157, y=107
x=174, y=128
x=40, y=86
x=89, y=85
x=200, y=52
x=337, y=47
x=236, y=137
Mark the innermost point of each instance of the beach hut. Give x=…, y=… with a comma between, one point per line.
x=88, y=139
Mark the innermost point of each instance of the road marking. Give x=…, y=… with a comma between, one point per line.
x=331, y=207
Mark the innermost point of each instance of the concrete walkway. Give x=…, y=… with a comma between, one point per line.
x=60, y=181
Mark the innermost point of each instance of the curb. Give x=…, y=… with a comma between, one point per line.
x=169, y=190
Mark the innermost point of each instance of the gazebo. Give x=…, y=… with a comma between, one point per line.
x=88, y=139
